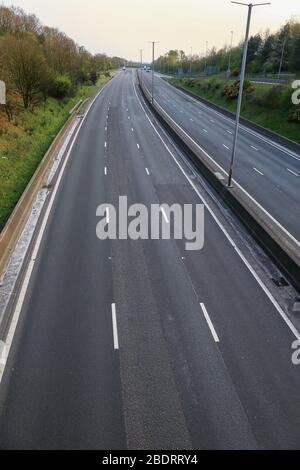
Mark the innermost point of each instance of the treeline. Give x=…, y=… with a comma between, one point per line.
x=37, y=61
x=264, y=55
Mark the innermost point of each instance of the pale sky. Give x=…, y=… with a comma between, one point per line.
x=122, y=27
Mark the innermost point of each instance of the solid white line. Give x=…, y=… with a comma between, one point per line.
x=254, y=148
x=255, y=169
x=147, y=171
x=291, y=171
x=222, y=228
x=25, y=283
x=115, y=326
x=164, y=215
x=226, y=147
x=210, y=324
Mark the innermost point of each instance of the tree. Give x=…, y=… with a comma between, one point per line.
x=25, y=65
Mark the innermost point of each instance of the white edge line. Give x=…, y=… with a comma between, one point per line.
x=210, y=324
x=26, y=280
x=115, y=326
x=238, y=251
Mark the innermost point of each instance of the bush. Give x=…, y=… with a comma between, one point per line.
x=61, y=87
x=231, y=90
x=294, y=116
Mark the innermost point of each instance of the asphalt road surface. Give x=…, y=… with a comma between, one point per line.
x=141, y=344
x=264, y=169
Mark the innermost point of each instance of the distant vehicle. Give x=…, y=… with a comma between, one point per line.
x=148, y=69
x=124, y=68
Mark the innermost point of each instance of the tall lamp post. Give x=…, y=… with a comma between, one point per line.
x=153, y=59
x=191, y=58
x=141, y=56
x=206, y=56
x=242, y=79
x=230, y=54
x=281, y=58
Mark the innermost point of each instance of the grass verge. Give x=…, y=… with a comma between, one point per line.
x=25, y=140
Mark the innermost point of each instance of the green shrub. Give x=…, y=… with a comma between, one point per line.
x=61, y=87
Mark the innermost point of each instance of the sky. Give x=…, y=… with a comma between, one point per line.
x=123, y=27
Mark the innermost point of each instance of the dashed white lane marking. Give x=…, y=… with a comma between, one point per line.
x=209, y=322
x=164, y=215
x=115, y=326
x=226, y=147
x=148, y=172
x=254, y=148
x=204, y=130
x=106, y=128
x=191, y=119
x=229, y=132
x=106, y=117
x=105, y=171
x=211, y=120
x=257, y=171
x=293, y=172
x=132, y=130
x=138, y=146
x=128, y=117
x=105, y=144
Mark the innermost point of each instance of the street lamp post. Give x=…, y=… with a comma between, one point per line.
x=230, y=54
x=191, y=58
x=141, y=55
x=281, y=58
x=242, y=79
x=153, y=59
x=206, y=57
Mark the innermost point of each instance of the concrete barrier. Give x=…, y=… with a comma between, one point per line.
x=283, y=250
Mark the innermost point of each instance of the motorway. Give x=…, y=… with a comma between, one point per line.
x=125, y=344
x=269, y=173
